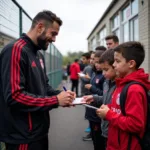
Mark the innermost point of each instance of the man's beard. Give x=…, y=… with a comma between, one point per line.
x=42, y=42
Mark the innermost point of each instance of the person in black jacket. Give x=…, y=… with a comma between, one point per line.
x=25, y=95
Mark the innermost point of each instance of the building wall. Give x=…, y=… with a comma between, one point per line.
x=4, y=40
x=144, y=30
x=106, y=20
x=144, y=26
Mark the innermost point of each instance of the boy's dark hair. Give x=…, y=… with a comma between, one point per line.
x=47, y=16
x=107, y=56
x=132, y=51
x=101, y=48
x=98, y=53
x=76, y=60
x=113, y=37
x=86, y=55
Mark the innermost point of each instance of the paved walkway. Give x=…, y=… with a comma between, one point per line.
x=67, y=129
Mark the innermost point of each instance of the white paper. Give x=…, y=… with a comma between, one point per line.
x=78, y=101
x=81, y=74
x=89, y=106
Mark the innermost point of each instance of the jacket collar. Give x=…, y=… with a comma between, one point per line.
x=35, y=47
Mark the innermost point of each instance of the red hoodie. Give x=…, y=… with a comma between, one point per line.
x=136, y=111
x=74, y=70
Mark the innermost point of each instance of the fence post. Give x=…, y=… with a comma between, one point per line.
x=20, y=21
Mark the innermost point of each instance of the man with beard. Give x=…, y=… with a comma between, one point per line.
x=25, y=95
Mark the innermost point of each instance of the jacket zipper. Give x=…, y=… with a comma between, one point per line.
x=30, y=121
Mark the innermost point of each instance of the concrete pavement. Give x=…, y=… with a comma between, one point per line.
x=67, y=128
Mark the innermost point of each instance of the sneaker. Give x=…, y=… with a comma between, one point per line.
x=87, y=138
x=88, y=130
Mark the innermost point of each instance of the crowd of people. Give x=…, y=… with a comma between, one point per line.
x=26, y=97
x=108, y=71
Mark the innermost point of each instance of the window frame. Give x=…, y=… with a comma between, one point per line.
x=101, y=41
x=131, y=18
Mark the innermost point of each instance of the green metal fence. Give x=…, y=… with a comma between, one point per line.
x=14, y=21
x=53, y=60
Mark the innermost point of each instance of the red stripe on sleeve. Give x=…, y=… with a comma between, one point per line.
x=15, y=81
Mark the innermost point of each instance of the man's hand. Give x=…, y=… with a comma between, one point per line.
x=72, y=93
x=65, y=98
x=88, y=99
x=88, y=86
x=102, y=111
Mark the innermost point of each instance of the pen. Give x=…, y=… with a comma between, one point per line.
x=90, y=106
x=64, y=88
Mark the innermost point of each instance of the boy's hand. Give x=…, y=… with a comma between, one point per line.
x=87, y=76
x=88, y=86
x=102, y=111
x=88, y=99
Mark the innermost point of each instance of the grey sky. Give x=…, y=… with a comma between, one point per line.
x=79, y=18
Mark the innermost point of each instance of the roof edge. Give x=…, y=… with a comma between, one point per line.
x=104, y=14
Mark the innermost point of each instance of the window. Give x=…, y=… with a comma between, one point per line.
x=116, y=25
x=126, y=32
x=115, y=21
x=130, y=22
x=93, y=45
x=117, y=32
x=134, y=29
x=102, y=35
x=126, y=13
x=134, y=7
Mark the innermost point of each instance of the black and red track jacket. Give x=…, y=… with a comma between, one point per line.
x=25, y=95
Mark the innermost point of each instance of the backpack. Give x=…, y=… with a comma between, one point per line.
x=145, y=141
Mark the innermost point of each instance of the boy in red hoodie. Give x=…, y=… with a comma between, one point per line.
x=128, y=57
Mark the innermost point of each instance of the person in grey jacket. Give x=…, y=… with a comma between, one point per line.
x=88, y=73
x=107, y=59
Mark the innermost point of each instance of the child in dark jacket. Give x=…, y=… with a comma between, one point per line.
x=128, y=57
x=106, y=60
x=96, y=87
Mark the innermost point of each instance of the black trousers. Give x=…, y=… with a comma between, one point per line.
x=98, y=139
x=37, y=145
x=75, y=85
x=105, y=142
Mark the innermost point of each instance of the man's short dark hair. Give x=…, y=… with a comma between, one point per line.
x=93, y=52
x=101, y=48
x=90, y=52
x=98, y=53
x=132, y=51
x=86, y=55
x=113, y=37
x=47, y=16
x=107, y=56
